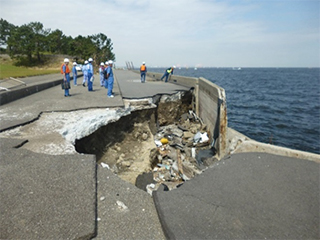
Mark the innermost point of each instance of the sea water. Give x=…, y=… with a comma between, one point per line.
x=280, y=106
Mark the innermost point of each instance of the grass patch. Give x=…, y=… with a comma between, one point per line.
x=8, y=70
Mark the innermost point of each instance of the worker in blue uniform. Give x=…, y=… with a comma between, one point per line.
x=74, y=73
x=85, y=73
x=110, y=79
x=106, y=65
x=101, y=73
x=90, y=75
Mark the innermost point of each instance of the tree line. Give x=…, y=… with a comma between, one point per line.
x=30, y=42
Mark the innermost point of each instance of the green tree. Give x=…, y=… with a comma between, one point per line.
x=32, y=39
x=82, y=47
x=6, y=29
x=27, y=40
x=39, y=38
x=55, y=41
x=103, y=48
x=66, y=45
x=20, y=42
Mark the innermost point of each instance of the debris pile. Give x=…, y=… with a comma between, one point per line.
x=173, y=161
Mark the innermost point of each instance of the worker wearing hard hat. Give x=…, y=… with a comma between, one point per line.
x=66, y=77
x=74, y=73
x=90, y=75
x=110, y=79
x=106, y=65
x=143, y=71
x=85, y=73
x=101, y=73
x=168, y=72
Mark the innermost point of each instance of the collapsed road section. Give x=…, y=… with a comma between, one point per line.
x=154, y=144
x=158, y=137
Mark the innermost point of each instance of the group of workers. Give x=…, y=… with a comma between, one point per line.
x=105, y=72
x=143, y=71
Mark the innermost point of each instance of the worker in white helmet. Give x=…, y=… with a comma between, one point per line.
x=85, y=73
x=90, y=75
x=66, y=77
x=106, y=65
x=101, y=73
x=74, y=73
x=143, y=71
x=110, y=79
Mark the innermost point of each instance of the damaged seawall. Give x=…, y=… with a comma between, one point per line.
x=210, y=105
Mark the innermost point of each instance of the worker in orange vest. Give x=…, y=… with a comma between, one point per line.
x=66, y=77
x=143, y=71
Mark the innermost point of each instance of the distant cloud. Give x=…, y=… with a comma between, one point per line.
x=189, y=32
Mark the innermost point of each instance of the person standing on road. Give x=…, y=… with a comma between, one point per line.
x=90, y=75
x=168, y=72
x=110, y=79
x=101, y=73
x=85, y=73
x=143, y=71
x=74, y=73
x=106, y=65
x=66, y=77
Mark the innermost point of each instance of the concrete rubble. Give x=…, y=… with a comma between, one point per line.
x=173, y=161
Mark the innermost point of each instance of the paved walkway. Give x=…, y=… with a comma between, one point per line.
x=245, y=196
x=52, y=99
x=131, y=86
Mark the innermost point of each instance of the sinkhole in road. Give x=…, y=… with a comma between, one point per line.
x=126, y=139
x=128, y=145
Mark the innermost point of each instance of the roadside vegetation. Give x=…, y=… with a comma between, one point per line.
x=8, y=70
x=8, y=67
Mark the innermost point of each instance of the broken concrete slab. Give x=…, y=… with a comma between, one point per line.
x=124, y=211
x=28, y=109
x=45, y=196
x=245, y=196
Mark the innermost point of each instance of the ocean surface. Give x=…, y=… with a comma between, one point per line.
x=280, y=106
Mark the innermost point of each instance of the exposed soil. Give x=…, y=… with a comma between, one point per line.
x=126, y=145
x=130, y=157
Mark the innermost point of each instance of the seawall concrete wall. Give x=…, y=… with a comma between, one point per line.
x=239, y=143
x=212, y=108
x=9, y=96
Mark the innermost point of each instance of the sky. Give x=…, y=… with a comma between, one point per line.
x=192, y=33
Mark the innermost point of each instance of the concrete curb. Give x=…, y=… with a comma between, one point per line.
x=9, y=96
